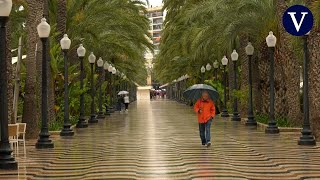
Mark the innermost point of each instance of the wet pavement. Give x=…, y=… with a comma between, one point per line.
x=160, y=140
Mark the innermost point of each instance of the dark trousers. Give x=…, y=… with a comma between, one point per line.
x=204, y=129
x=126, y=105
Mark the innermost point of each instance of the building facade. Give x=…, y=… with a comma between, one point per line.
x=156, y=17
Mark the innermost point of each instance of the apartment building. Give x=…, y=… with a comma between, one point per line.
x=156, y=17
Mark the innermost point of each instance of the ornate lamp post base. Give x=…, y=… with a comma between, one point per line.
x=44, y=142
x=236, y=117
x=82, y=123
x=111, y=110
x=108, y=113
x=93, y=119
x=251, y=121
x=101, y=115
x=7, y=162
x=272, y=128
x=9, y=165
x=67, y=131
x=307, y=139
x=225, y=113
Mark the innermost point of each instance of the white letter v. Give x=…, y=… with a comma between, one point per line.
x=294, y=20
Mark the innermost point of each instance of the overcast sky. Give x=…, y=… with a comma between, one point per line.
x=155, y=2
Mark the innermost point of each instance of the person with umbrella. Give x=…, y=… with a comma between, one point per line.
x=205, y=110
x=126, y=102
x=205, y=96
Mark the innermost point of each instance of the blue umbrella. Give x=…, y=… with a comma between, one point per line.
x=195, y=92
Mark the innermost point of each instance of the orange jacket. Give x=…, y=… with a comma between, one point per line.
x=207, y=110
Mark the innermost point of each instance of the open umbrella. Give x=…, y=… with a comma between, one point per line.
x=123, y=93
x=194, y=92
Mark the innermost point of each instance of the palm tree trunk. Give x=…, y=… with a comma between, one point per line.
x=61, y=18
x=291, y=70
x=263, y=84
x=244, y=74
x=314, y=81
x=30, y=115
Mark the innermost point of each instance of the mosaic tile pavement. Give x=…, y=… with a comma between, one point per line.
x=159, y=140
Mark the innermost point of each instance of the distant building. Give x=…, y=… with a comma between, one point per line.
x=156, y=17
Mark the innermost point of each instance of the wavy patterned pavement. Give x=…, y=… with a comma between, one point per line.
x=159, y=140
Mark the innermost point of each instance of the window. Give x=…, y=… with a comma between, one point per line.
x=157, y=27
x=158, y=21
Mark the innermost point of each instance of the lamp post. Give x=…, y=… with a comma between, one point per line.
x=306, y=138
x=224, y=62
x=208, y=67
x=92, y=60
x=106, y=72
x=110, y=68
x=114, y=72
x=272, y=125
x=7, y=161
x=81, y=51
x=203, y=70
x=65, y=46
x=251, y=121
x=234, y=58
x=44, y=142
x=100, y=66
x=216, y=66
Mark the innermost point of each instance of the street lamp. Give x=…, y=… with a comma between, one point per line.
x=65, y=46
x=224, y=62
x=306, y=134
x=216, y=66
x=203, y=70
x=44, y=142
x=272, y=125
x=114, y=72
x=208, y=67
x=92, y=60
x=251, y=121
x=81, y=51
x=110, y=68
x=100, y=66
x=234, y=58
x=7, y=161
x=106, y=72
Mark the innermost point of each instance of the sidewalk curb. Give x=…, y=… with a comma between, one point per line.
x=57, y=133
x=262, y=127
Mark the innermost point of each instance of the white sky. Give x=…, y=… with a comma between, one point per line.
x=155, y=2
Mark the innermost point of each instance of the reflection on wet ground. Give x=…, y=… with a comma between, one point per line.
x=159, y=140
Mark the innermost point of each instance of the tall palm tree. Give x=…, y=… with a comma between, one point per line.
x=290, y=68
x=61, y=18
x=314, y=69
x=30, y=116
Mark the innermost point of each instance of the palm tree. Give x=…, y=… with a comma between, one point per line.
x=30, y=116
x=314, y=70
x=194, y=35
x=61, y=18
x=290, y=68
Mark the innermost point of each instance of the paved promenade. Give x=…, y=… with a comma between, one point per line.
x=160, y=140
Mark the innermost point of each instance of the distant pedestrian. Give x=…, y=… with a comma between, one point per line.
x=126, y=102
x=119, y=102
x=205, y=110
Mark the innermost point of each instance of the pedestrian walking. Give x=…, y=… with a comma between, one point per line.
x=205, y=110
x=126, y=102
